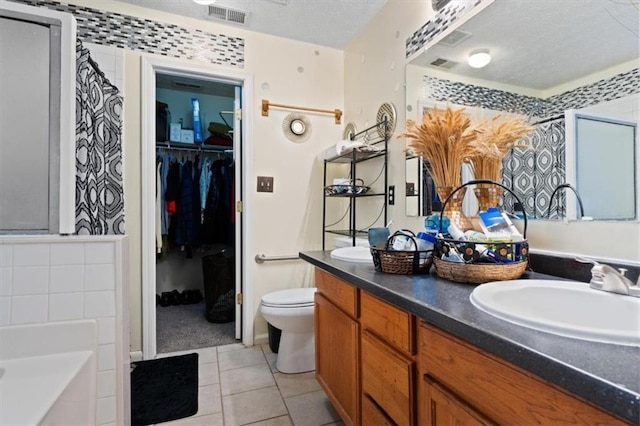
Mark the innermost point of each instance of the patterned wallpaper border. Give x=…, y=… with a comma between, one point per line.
x=604, y=90
x=144, y=35
x=608, y=89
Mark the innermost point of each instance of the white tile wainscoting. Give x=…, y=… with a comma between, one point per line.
x=58, y=278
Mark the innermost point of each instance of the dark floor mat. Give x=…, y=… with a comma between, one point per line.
x=164, y=389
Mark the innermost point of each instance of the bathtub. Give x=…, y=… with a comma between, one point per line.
x=48, y=373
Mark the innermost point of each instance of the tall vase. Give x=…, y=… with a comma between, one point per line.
x=487, y=195
x=453, y=209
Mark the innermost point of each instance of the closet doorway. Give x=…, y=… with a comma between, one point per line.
x=192, y=227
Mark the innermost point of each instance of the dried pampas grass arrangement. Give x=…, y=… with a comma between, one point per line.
x=445, y=138
x=495, y=138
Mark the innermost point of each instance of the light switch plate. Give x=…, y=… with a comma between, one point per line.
x=392, y=195
x=265, y=184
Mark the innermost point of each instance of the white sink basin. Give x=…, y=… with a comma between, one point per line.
x=565, y=308
x=353, y=254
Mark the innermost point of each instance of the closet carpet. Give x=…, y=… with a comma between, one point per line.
x=184, y=327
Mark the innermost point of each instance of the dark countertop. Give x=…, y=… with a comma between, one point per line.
x=606, y=375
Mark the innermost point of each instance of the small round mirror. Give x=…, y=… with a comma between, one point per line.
x=297, y=127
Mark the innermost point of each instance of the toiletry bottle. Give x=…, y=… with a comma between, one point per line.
x=425, y=241
x=433, y=222
x=456, y=233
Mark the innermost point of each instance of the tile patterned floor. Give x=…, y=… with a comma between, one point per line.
x=241, y=386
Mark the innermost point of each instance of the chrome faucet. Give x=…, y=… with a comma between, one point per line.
x=606, y=278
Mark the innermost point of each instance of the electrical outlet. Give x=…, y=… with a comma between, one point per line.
x=265, y=184
x=392, y=195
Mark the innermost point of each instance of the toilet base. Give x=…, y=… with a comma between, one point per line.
x=297, y=353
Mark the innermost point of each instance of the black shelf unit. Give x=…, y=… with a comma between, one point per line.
x=371, y=136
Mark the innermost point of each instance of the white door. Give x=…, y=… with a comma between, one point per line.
x=237, y=155
x=244, y=318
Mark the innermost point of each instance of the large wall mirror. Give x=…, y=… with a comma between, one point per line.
x=554, y=63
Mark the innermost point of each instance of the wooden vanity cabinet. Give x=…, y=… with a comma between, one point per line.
x=337, y=345
x=380, y=366
x=462, y=384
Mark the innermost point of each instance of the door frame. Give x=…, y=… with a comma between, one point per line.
x=244, y=272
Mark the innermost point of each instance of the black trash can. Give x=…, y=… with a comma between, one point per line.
x=219, y=270
x=274, y=338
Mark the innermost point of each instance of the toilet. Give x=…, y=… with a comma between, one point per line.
x=291, y=311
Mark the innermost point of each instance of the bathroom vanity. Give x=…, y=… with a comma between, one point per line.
x=395, y=349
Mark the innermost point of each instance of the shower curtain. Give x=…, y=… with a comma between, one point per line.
x=99, y=187
x=534, y=173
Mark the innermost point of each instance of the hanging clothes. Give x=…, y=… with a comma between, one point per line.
x=194, y=212
x=205, y=180
x=185, y=231
x=158, y=209
x=217, y=226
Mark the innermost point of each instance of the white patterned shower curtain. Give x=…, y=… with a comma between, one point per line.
x=99, y=187
x=534, y=173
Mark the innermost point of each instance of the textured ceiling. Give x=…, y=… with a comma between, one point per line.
x=544, y=43
x=331, y=23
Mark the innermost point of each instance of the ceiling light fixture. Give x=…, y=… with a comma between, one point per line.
x=479, y=58
x=205, y=2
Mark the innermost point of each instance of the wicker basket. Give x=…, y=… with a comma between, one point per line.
x=515, y=255
x=478, y=273
x=402, y=261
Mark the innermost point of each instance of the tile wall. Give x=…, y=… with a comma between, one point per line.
x=53, y=278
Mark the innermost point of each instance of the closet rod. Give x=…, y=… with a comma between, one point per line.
x=266, y=104
x=181, y=146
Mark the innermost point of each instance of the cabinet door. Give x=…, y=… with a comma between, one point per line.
x=337, y=355
x=444, y=408
x=501, y=390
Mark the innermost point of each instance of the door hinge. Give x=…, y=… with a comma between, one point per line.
x=239, y=206
x=239, y=299
x=239, y=114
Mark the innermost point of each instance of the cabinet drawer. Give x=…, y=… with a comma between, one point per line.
x=500, y=390
x=390, y=323
x=340, y=293
x=388, y=378
x=372, y=415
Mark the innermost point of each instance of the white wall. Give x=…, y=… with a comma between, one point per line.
x=51, y=278
x=374, y=67
x=375, y=73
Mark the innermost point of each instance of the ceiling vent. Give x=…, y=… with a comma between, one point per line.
x=228, y=14
x=455, y=38
x=443, y=63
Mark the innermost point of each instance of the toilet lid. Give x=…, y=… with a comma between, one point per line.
x=293, y=297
